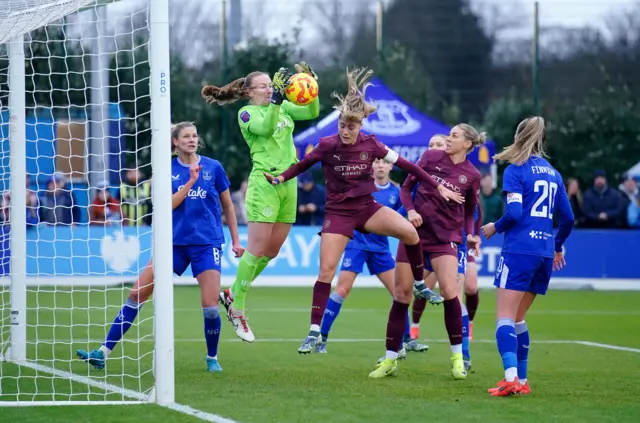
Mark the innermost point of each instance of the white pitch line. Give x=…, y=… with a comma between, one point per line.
x=140, y=397
x=83, y=379
x=214, y=418
x=380, y=310
x=608, y=346
x=202, y=415
x=339, y=341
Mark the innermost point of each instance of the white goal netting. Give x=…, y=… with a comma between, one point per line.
x=88, y=198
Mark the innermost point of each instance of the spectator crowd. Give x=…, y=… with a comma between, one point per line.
x=600, y=206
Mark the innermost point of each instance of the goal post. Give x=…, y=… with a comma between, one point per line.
x=61, y=136
x=162, y=239
x=18, y=219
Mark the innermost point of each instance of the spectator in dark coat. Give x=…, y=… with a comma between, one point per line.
x=575, y=199
x=603, y=206
x=311, y=199
x=57, y=206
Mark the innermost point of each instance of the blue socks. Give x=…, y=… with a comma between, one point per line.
x=330, y=314
x=121, y=324
x=211, y=329
x=129, y=312
x=523, y=350
x=507, y=341
x=465, y=333
x=407, y=329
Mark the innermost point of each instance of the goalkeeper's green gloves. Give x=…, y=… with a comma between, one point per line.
x=279, y=82
x=305, y=68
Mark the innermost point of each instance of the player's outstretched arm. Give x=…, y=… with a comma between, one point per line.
x=423, y=176
x=406, y=197
x=262, y=126
x=307, y=112
x=309, y=160
x=478, y=219
x=230, y=213
x=512, y=213
x=512, y=187
x=566, y=217
x=470, y=205
x=293, y=171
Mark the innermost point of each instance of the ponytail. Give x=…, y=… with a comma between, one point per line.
x=230, y=93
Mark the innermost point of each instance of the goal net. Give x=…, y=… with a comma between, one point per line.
x=79, y=107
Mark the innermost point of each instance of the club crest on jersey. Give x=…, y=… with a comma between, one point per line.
x=347, y=262
x=267, y=212
x=206, y=175
x=364, y=155
x=392, y=199
x=462, y=179
x=245, y=116
x=327, y=223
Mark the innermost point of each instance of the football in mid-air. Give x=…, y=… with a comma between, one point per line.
x=302, y=89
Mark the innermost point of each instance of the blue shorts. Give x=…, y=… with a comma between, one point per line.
x=462, y=261
x=200, y=257
x=377, y=262
x=523, y=272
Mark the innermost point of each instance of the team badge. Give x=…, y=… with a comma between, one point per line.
x=392, y=199
x=206, y=175
x=364, y=155
x=462, y=179
x=245, y=116
x=327, y=223
x=347, y=262
x=267, y=212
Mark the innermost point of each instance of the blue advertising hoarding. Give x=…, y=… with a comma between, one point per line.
x=95, y=252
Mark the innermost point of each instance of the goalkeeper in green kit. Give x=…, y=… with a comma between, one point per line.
x=267, y=126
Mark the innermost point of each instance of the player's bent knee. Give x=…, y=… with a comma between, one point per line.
x=343, y=290
x=211, y=312
x=403, y=292
x=449, y=290
x=142, y=293
x=402, y=295
x=410, y=237
x=327, y=272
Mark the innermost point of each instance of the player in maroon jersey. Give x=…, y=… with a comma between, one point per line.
x=346, y=160
x=440, y=226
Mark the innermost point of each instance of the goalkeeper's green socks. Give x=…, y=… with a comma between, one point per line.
x=244, y=277
x=249, y=269
x=262, y=263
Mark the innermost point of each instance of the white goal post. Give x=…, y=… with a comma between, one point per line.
x=62, y=136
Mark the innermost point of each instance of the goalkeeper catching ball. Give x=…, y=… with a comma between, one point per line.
x=267, y=124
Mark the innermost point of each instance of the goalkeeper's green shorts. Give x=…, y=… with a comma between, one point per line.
x=271, y=203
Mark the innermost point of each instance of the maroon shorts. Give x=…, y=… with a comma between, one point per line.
x=471, y=258
x=430, y=251
x=344, y=224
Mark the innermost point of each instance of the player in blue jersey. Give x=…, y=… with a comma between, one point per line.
x=534, y=192
x=200, y=188
x=373, y=250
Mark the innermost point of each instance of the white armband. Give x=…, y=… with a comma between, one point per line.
x=391, y=157
x=514, y=197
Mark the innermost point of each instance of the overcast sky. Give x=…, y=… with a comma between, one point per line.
x=578, y=12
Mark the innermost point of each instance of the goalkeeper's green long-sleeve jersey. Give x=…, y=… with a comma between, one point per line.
x=268, y=130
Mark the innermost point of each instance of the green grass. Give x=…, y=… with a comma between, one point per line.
x=269, y=382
